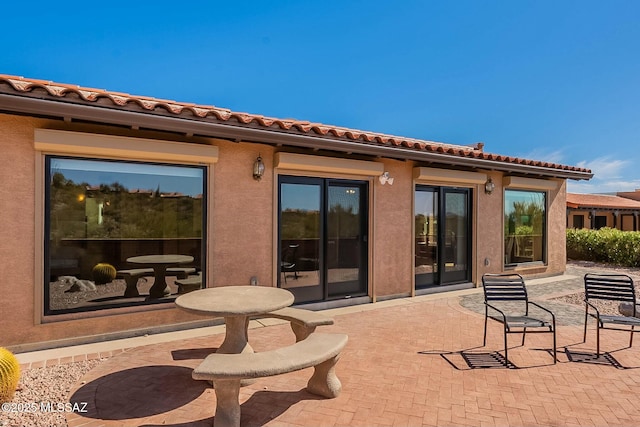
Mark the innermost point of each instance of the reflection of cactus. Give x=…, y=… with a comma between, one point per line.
x=103, y=273
x=9, y=375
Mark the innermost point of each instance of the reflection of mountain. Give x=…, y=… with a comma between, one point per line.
x=343, y=222
x=300, y=224
x=79, y=210
x=300, y=210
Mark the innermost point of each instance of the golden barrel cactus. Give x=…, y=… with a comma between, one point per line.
x=9, y=375
x=103, y=273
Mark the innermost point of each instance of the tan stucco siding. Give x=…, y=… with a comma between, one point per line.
x=488, y=227
x=242, y=232
x=392, y=231
x=557, y=230
x=21, y=301
x=242, y=216
x=17, y=233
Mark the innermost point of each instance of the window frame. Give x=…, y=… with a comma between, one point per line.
x=545, y=231
x=113, y=148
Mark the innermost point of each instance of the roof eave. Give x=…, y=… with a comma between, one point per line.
x=204, y=127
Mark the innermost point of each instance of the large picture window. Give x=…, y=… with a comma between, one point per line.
x=524, y=226
x=121, y=233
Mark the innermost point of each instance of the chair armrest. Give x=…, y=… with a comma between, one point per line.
x=553, y=317
x=504, y=317
x=594, y=307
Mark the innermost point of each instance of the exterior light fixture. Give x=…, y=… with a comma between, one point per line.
x=258, y=168
x=489, y=186
x=385, y=178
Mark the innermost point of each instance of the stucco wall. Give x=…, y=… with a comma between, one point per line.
x=242, y=216
x=241, y=226
x=488, y=225
x=392, y=233
x=624, y=221
x=241, y=243
x=557, y=230
x=17, y=231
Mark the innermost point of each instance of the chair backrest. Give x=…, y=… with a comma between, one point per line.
x=289, y=254
x=504, y=287
x=613, y=287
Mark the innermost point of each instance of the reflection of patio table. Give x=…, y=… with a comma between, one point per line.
x=236, y=304
x=160, y=263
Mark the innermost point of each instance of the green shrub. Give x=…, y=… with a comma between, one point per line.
x=607, y=245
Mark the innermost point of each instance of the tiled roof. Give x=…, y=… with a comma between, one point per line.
x=600, y=201
x=98, y=97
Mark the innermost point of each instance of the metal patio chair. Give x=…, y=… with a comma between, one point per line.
x=609, y=287
x=514, y=315
x=290, y=261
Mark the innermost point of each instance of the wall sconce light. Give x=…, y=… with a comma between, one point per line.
x=489, y=186
x=258, y=168
x=385, y=178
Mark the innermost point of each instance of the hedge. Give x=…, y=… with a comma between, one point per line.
x=607, y=245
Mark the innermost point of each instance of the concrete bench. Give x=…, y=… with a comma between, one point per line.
x=189, y=284
x=303, y=322
x=131, y=277
x=226, y=370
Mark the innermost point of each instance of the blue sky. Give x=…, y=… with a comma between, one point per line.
x=548, y=80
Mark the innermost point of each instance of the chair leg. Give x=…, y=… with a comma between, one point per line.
x=631, y=337
x=484, y=342
x=555, y=355
x=598, y=338
x=586, y=317
x=506, y=358
x=524, y=332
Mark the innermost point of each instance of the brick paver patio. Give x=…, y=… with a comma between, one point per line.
x=415, y=363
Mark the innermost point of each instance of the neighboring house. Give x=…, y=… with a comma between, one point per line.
x=337, y=216
x=595, y=211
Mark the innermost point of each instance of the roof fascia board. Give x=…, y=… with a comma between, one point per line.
x=601, y=208
x=99, y=114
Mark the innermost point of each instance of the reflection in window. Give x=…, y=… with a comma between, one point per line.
x=524, y=225
x=103, y=212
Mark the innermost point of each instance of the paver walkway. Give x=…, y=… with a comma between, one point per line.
x=416, y=363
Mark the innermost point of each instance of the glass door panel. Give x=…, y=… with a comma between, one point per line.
x=346, y=238
x=456, y=235
x=442, y=242
x=300, y=238
x=323, y=225
x=426, y=238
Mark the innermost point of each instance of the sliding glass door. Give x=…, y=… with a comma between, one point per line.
x=322, y=231
x=442, y=238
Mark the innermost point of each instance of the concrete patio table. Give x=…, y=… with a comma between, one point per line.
x=236, y=304
x=160, y=263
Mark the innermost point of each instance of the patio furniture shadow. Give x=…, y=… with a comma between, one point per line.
x=261, y=408
x=138, y=392
x=605, y=358
x=464, y=360
x=192, y=353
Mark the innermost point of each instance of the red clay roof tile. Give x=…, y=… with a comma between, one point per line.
x=600, y=201
x=118, y=99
